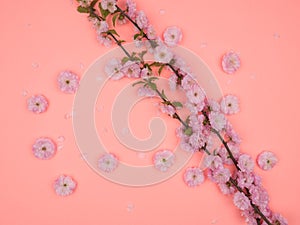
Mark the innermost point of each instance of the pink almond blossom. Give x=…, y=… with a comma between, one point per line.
x=230, y=104
x=114, y=69
x=163, y=160
x=44, y=148
x=142, y=20
x=241, y=201
x=193, y=176
x=64, y=185
x=217, y=121
x=162, y=54
x=167, y=109
x=109, y=5
x=68, y=82
x=172, y=36
x=131, y=8
x=195, y=94
x=231, y=62
x=37, y=104
x=266, y=160
x=146, y=92
x=107, y=162
x=246, y=163
x=131, y=69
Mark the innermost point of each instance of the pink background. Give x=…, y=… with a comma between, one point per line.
x=41, y=38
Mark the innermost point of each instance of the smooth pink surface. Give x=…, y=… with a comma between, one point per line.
x=54, y=36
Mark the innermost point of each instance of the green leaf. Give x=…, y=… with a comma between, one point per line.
x=114, y=19
x=160, y=69
x=163, y=94
x=136, y=36
x=152, y=79
x=104, y=13
x=152, y=86
x=187, y=121
x=93, y=3
x=138, y=82
x=142, y=54
x=156, y=64
x=112, y=32
x=188, y=131
x=82, y=9
x=177, y=104
x=125, y=60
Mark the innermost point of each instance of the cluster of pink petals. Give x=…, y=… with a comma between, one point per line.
x=108, y=163
x=44, y=148
x=193, y=176
x=37, y=104
x=266, y=160
x=231, y=62
x=68, y=82
x=230, y=104
x=163, y=160
x=64, y=185
x=172, y=36
x=167, y=109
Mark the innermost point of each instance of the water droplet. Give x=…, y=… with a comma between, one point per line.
x=214, y=221
x=24, y=93
x=203, y=44
x=276, y=35
x=130, y=207
x=61, y=139
x=141, y=155
x=162, y=12
x=81, y=65
x=84, y=155
x=68, y=116
x=99, y=78
x=252, y=76
x=125, y=131
x=35, y=65
x=60, y=147
x=229, y=82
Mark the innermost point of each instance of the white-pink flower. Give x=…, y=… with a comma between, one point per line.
x=162, y=54
x=84, y=3
x=167, y=109
x=230, y=104
x=64, y=185
x=172, y=36
x=220, y=175
x=246, y=163
x=114, y=69
x=44, y=148
x=131, y=7
x=193, y=176
x=217, y=120
x=279, y=219
x=231, y=62
x=142, y=20
x=131, y=69
x=151, y=34
x=213, y=105
x=195, y=94
x=146, y=91
x=37, y=104
x=163, y=160
x=104, y=40
x=241, y=201
x=109, y=5
x=108, y=162
x=266, y=160
x=68, y=82
x=102, y=27
x=188, y=82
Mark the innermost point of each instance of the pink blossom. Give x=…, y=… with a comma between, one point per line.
x=195, y=94
x=84, y=3
x=245, y=180
x=101, y=26
x=266, y=160
x=167, y=109
x=188, y=82
x=213, y=162
x=131, y=69
x=217, y=121
x=241, y=201
x=226, y=188
x=162, y=54
x=196, y=122
x=197, y=141
x=193, y=176
x=172, y=36
x=230, y=104
x=278, y=219
x=109, y=5
x=151, y=34
x=259, y=196
x=107, y=162
x=185, y=145
x=146, y=91
x=142, y=20
x=131, y=6
x=44, y=148
x=213, y=105
x=114, y=69
x=231, y=62
x=173, y=82
x=64, y=185
x=68, y=82
x=37, y=104
x=220, y=175
x=145, y=72
x=163, y=160
x=246, y=163
x=231, y=135
x=225, y=155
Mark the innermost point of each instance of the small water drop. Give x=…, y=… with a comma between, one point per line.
x=203, y=44
x=214, y=221
x=68, y=116
x=229, y=82
x=130, y=207
x=81, y=65
x=162, y=11
x=125, y=131
x=60, y=147
x=35, y=65
x=61, y=139
x=24, y=93
x=276, y=35
x=141, y=155
x=99, y=78
x=252, y=76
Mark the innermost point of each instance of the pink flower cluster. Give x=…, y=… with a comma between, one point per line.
x=64, y=185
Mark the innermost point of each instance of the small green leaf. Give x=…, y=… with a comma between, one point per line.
x=82, y=9
x=188, y=131
x=152, y=79
x=104, y=13
x=177, y=104
x=136, y=36
x=156, y=64
x=112, y=32
x=160, y=69
x=163, y=94
x=187, y=121
x=142, y=54
x=125, y=60
x=114, y=19
x=152, y=86
x=138, y=82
